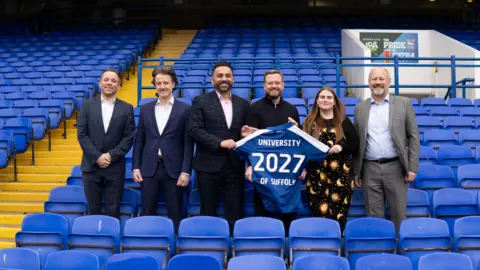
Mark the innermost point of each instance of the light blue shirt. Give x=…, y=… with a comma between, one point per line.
x=379, y=141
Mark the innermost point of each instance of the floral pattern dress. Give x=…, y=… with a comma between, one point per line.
x=330, y=183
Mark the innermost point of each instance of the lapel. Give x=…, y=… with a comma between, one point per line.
x=367, y=116
x=112, y=119
x=391, y=111
x=218, y=107
x=97, y=106
x=154, y=118
x=234, y=110
x=173, y=113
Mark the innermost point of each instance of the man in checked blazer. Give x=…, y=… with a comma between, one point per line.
x=389, y=147
x=215, y=123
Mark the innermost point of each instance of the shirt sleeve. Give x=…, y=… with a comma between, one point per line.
x=350, y=142
x=313, y=148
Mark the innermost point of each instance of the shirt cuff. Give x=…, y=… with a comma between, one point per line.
x=136, y=170
x=186, y=174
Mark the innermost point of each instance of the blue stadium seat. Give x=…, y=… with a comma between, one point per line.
x=450, y=204
x=445, y=261
x=132, y=261
x=264, y=262
x=72, y=260
x=468, y=176
x=466, y=238
x=19, y=258
x=97, y=234
x=427, y=156
x=455, y=156
x=433, y=102
x=460, y=102
x=258, y=235
x=75, y=178
x=384, y=262
x=323, y=261
x=422, y=236
x=313, y=236
x=469, y=112
x=56, y=111
x=204, y=235
x=357, y=206
x=438, y=138
x=443, y=112
x=68, y=201
x=459, y=123
x=43, y=233
x=128, y=206
x=201, y=262
x=434, y=177
x=149, y=235
x=368, y=235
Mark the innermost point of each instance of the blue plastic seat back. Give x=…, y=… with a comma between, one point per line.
x=438, y=138
x=450, y=204
x=322, y=261
x=313, y=236
x=264, y=262
x=369, y=235
x=445, y=261
x=427, y=156
x=434, y=177
x=459, y=123
x=149, y=235
x=249, y=237
x=19, y=258
x=466, y=238
x=468, y=177
x=67, y=200
x=75, y=178
x=22, y=131
x=384, y=261
x=421, y=236
x=460, y=102
x=201, y=262
x=126, y=261
x=73, y=260
x=470, y=138
x=204, y=235
x=357, y=205
x=97, y=234
x=428, y=123
x=470, y=111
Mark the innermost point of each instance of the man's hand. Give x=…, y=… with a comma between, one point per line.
x=228, y=144
x=358, y=181
x=303, y=175
x=290, y=120
x=335, y=149
x=103, y=161
x=247, y=130
x=137, y=176
x=410, y=177
x=183, y=180
x=248, y=174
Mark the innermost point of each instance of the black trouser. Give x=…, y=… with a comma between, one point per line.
x=260, y=211
x=106, y=185
x=173, y=194
x=231, y=181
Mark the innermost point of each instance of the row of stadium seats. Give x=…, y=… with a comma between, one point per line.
x=154, y=236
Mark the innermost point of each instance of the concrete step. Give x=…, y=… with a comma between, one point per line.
x=49, y=161
x=9, y=232
x=25, y=207
x=18, y=186
x=38, y=169
x=52, y=154
x=35, y=178
x=11, y=219
x=7, y=243
x=23, y=196
x=58, y=147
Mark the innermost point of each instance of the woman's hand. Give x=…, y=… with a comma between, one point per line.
x=335, y=149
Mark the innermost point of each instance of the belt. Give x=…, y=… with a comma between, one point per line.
x=384, y=160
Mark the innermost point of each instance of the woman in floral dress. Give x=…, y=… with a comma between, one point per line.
x=330, y=183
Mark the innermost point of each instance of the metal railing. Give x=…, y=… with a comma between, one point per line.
x=338, y=63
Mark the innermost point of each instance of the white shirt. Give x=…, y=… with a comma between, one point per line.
x=227, y=108
x=161, y=116
x=107, y=112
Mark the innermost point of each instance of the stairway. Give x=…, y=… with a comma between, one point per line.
x=52, y=168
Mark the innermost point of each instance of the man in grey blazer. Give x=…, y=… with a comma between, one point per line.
x=387, y=158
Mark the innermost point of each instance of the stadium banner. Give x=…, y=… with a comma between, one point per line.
x=391, y=44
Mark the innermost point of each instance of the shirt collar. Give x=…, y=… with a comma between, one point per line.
x=171, y=101
x=221, y=97
x=270, y=101
x=386, y=100
x=102, y=100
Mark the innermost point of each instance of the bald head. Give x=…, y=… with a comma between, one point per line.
x=379, y=81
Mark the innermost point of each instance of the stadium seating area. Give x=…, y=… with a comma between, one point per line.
x=44, y=79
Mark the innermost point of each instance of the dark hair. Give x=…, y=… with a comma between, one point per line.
x=111, y=70
x=271, y=72
x=222, y=64
x=165, y=71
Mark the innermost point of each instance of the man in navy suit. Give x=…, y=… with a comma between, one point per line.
x=105, y=131
x=162, y=151
x=215, y=124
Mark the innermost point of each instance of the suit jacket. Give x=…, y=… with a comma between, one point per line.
x=403, y=129
x=175, y=143
x=208, y=128
x=93, y=139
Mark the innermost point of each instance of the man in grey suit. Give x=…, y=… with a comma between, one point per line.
x=389, y=147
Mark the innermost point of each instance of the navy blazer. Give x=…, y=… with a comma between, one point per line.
x=175, y=143
x=93, y=139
